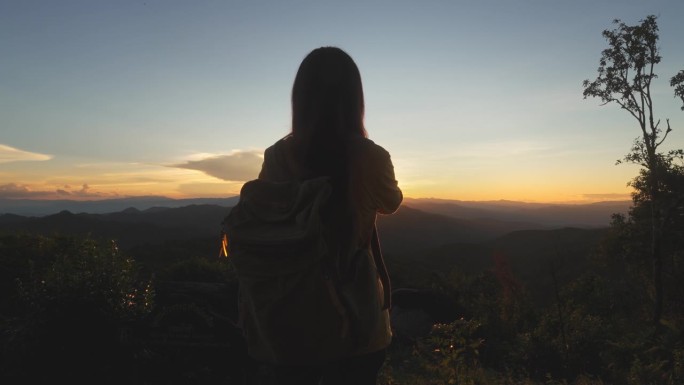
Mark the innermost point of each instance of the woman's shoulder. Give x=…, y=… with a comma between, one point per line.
x=367, y=148
x=279, y=163
x=279, y=146
x=359, y=146
x=280, y=151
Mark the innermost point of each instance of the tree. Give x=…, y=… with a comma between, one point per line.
x=625, y=77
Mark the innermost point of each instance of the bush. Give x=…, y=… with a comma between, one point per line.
x=74, y=297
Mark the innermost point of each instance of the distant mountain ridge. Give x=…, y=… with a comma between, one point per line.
x=36, y=207
x=546, y=214
x=129, y=227
x=419, y=225
x=540, y=214
x=408, y=230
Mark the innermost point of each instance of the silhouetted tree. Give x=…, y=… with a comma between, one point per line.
x=625, y=76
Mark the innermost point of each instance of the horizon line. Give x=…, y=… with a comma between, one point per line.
x=164, y=197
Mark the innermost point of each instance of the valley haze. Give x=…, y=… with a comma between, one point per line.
x=536, y=215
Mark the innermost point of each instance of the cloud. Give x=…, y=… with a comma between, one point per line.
x=608, y=196
x=13, y=190
x=17, y=191
x=236, y=167
x=11, y=154
x=84, y=192
x=506, y=149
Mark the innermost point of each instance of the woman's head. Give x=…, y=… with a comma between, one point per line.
x=327, y=97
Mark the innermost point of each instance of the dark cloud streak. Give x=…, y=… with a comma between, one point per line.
x=609, y=196
x=17, y=191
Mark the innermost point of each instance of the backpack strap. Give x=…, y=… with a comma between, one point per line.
x=382, y=269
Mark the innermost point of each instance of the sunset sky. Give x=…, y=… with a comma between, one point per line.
x=475, y=100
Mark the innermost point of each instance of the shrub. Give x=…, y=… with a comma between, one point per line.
x=74, y=297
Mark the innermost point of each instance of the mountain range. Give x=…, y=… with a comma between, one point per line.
x=419, y=224
x=424, y=240
x=544, y=214
x=547, y=214
x=42, y=207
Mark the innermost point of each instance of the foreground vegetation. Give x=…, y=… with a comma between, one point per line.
x=70, y=299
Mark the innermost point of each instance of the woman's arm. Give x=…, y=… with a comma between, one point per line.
x=381, y=188
x=389, y=196
x=266, y=166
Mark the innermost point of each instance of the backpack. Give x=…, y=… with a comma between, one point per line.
x=293, y=309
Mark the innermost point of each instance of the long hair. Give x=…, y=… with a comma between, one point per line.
x=327, y=102
x=327, y=111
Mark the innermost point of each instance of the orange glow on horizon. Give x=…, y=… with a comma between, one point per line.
x=486, y=192
x=558, y=187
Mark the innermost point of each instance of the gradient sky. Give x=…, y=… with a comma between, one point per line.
x=475, y=100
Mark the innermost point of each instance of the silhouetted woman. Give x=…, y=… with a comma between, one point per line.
x=328, y=138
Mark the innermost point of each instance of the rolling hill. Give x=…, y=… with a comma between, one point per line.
x=41, y=207
x=408, y=230
x=533, y=257
x=545, y=214
x=419, y=246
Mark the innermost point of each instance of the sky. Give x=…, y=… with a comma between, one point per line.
x=474, y=100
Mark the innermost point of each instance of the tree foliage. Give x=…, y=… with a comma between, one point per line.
x=625, y=77
x=677, y=82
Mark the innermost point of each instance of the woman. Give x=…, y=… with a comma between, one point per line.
x=328, y=138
